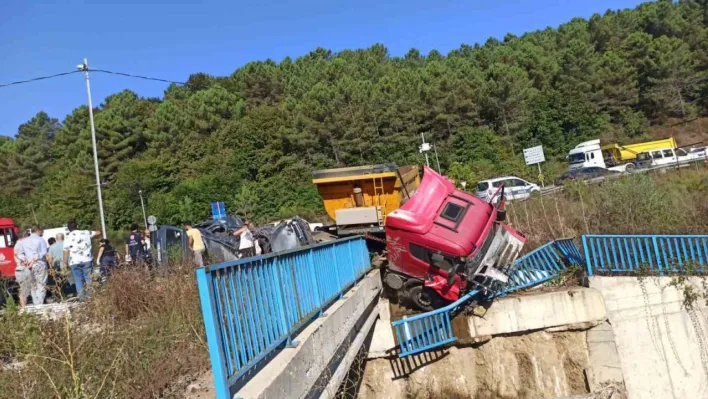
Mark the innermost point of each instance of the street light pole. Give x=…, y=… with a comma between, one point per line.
x=84, y=67
x=142, y=205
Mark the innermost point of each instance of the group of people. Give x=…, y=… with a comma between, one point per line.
x=70, y=256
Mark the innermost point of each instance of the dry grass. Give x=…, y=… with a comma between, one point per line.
x=670, y=203
x=134, y=338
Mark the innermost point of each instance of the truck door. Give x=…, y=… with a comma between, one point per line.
x=658, y=159
x=7, y=252
x=171, y=245
x=669, y=156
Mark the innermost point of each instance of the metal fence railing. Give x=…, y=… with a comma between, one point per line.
x=659, y=253
x=252, y=307
x=543, y=263
x=433, y=329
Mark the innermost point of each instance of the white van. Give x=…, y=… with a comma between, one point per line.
x=515, y=188
x=52, y=233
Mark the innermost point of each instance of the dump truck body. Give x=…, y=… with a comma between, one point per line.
x=360, y=198
x=615, y=153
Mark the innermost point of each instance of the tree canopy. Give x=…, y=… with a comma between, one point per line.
x=252, y=139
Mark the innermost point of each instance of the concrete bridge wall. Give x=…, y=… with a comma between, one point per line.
x=663, y=348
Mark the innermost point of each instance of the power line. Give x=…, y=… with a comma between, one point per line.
x=91, y=70
x=137, y=76
x=39, y=78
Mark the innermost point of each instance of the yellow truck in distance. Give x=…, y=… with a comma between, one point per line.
x=613, y=156
x=359, y=198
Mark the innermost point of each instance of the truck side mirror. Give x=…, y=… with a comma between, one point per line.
x=501, y=215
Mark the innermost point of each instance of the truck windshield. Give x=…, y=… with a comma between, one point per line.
x=643, y=156
x=576, y=158
x=482, y=186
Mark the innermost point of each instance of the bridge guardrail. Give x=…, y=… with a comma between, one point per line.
x=253, y=306
x=433, y=329
x=543, y=263
x=607, y=253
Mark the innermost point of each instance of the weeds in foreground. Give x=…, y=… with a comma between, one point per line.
x=134, y=338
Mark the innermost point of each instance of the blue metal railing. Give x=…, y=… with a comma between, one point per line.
x=429, y=330
x=543, y=263
x=253, y=306
x=433, y=329
x=660, y=253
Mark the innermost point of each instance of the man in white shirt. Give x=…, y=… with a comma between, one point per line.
x=246, y=246
x=78, y=256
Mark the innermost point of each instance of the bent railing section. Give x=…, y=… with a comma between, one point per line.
x=253, y=306
x=658, y=253
x=433, y=329
x=543, y=263
x=429, y=330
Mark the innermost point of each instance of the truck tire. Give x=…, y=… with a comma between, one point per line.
x=630, y=167
x=424, y=298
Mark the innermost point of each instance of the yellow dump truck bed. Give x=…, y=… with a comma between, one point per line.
x=381, y=186
x=628, y=152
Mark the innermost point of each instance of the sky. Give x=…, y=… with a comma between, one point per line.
x=171, y=40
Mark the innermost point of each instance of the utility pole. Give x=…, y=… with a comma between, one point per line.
x=424, y=148
x=435, y=147
x=142, y=205
x=84, y=68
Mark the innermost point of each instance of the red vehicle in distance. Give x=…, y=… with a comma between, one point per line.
x=9, y=232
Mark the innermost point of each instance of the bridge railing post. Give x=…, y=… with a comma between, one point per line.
x=216, y=352
x=588, y=263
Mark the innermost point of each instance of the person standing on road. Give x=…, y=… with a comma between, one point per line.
x=32, y=255
x=246, y=246
x=196, y=244
x=55, y=257
x=135, y=245
x=106, y=259
x=23, y=274
x=79, y=258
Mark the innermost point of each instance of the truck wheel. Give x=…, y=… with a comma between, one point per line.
x=424, y=298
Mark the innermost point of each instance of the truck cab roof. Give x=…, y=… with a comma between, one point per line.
x=447, y=219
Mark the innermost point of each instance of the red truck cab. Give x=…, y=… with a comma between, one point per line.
x=8, y=237
x=443, y=242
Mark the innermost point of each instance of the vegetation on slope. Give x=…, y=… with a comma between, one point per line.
x=252, y=138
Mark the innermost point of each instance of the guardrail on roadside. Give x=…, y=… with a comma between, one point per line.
x=253, y=306
x=433, y=329
x=629, y=253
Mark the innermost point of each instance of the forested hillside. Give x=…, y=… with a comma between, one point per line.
x=251, y=139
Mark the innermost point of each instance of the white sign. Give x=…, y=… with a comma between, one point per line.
x=152, y=219
x=152, y=228
x=534, y=155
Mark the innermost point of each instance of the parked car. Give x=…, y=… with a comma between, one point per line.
x=591, y=174
x=515, y=188
x=697, y=152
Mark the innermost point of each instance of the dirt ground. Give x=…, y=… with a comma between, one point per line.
x=201, y=388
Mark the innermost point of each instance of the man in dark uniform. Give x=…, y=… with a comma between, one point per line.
x=135, y=245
